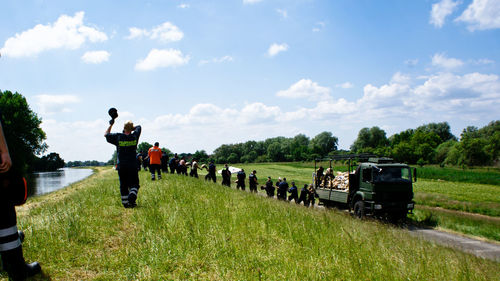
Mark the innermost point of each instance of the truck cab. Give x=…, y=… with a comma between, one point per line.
x=382, y=188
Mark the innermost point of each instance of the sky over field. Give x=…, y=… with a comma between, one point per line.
x=197, y=74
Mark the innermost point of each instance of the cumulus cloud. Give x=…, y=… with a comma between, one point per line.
x=251, y=1
x=345, y=85
x=51, y=104
x=183, y=6
x=442, y=61
x=441, y=10
x=66, y=33
x=217, y=60
x=283, y=13
x=162, y=58
x=305, y=88
x=319, y=26
x=411, y=62
x=165, y=32
x=481, y=15
x=95, y=57
x=483, y=61
x=275, y=49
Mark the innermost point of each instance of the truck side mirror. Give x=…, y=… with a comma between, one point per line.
x=414, y=174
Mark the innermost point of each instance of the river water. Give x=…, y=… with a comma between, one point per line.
x=46, y=182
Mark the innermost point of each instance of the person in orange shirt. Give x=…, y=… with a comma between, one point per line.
x=155, y=160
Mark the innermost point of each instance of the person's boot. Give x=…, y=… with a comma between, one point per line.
x=16, y=267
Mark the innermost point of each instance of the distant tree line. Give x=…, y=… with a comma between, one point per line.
x=87, y=163
x=278, y=149
x=433, y=143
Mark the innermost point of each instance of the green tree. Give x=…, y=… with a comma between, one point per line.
x=201, y=156
x=370, y=140
x=22, y=130
x=144, y=147
x=441, y=129
x=324, y=143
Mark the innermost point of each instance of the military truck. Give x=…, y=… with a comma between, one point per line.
x=376, y=186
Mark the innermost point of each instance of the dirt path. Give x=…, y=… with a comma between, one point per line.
x=476, y=247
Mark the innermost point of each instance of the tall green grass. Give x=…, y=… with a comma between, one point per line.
x=184, y=228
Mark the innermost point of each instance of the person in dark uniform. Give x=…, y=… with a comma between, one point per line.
x=269, y=187
x=164, y=162
x=173, y=163
x=283, y=188
x=211, y=171
x=226, y=176
x=304, y=195
x=126, y=146
x=139, y=161
x=319, y=175
x=294, y=193
x=10, y=240
x=241, y=176
x=252, y=181
x=278, y=191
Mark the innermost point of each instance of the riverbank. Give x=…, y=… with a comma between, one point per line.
x=184, y=228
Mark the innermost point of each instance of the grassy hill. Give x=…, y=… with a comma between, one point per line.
x=184, y=228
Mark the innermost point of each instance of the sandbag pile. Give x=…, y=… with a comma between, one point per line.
x=340, y=182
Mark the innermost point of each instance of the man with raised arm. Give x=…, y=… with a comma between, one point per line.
x=126, y=148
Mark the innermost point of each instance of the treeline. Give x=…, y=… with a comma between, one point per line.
x=278, y=149
x=87, y=163
x=434, y=144
x=50, y=162
x=431, y=143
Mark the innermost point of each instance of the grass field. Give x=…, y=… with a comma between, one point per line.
x=187, y=229
x=467, y=175
x=457, y=196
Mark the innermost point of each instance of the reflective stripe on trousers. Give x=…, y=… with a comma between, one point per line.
x=9, y=245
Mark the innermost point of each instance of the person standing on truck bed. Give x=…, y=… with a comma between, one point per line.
x=319, y=175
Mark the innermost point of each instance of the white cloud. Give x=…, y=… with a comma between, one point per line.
x=96, y=57
x=66, y=33
x=411, y=62
x=251, y=1
x=305, y=88
x=165, y=32
x=275, y=48
x=51, y=104
x=183, y=6
x=217, y=60
x=484, y=61
x=319, y=26
x=441, y=10
x=345, y=85
x=481, y=15
x=162, y=58
x=442, y=61
x=283, y=13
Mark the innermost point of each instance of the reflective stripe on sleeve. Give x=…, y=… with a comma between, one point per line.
x=8, y=231
x=10, y=245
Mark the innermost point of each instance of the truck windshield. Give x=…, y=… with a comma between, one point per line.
x=391, y=174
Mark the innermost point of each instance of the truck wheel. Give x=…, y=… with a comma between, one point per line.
x=359, y=209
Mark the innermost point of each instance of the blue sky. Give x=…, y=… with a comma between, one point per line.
x=198, y=74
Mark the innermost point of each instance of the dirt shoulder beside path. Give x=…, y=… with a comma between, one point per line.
x=476, y=247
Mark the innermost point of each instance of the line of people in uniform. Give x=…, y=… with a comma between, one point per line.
x=158, y=161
